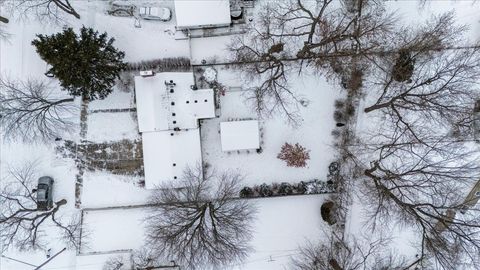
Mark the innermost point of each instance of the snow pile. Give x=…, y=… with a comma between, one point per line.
x=210, y=75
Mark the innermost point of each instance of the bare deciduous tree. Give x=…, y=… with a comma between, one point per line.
x=22, y=225
x=290, y=36
x=200, y=221
x=420, y=171
x=42, y=10
x=118, y=262
x=441, y=88
x=335, y=253
x=425, y=187
x=29, y=110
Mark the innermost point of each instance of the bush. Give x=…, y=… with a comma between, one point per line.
x=162, y=64
x=336, y=133
x=326, y=211
x=295, y=155
x=355, y=81
x=350, y=110
x=264, y=190
x=338, y=116
x=339, y=104
x=285, y=189
x=333, y=168
x=247, y=192
x=301, y=188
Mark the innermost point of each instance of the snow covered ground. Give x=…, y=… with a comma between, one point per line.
x=123, y=190
x=277, y=231
x=314, y=133
x=118, y=99
x=113, y=126
x=283, y=223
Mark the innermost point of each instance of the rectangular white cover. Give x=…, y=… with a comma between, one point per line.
x=239, y=135
x=197, y=13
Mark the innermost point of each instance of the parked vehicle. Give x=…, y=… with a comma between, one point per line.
x=44, y=193
x=121, y=9
x=155, y=13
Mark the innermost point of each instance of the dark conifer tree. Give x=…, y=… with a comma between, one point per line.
x=86, y=65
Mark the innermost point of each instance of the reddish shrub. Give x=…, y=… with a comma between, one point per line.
x=295, y=155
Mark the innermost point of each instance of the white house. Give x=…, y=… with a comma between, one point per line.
x=192, y=14
x=168, y=110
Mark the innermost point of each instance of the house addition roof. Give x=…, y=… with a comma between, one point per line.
x=166, y=154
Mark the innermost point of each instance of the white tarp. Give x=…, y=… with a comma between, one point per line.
x=239, y=135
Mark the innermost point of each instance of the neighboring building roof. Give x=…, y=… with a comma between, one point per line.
x=166, y=154
x=239, y=135
x=162, y=105
x=198, y=13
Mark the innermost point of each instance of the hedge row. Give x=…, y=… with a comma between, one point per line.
x=282, y=189
x=160, y=65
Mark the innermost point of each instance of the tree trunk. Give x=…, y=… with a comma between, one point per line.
x=3, y=19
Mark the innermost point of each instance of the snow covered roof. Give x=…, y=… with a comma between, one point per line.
x=238, y=135
x=198, y=13
x=166, y=101
x=167, y=153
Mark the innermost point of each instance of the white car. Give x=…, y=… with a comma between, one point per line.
x=155, y=13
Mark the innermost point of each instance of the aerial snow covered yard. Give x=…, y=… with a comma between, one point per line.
x=276, y=236
x=313, y=133
x=239, y=134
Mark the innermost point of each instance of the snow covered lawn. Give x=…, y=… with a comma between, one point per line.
x=109, y=230
x=282, y=225
x=122, y=190
x=105, y=126
x=118, y=99
x=314, y=133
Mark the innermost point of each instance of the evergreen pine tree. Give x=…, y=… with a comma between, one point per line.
x=86, y=65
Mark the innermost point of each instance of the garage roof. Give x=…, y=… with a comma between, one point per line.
x=198, y=13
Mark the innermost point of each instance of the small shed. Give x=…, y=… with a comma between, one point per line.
x=239, y=135
x=192, y=14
